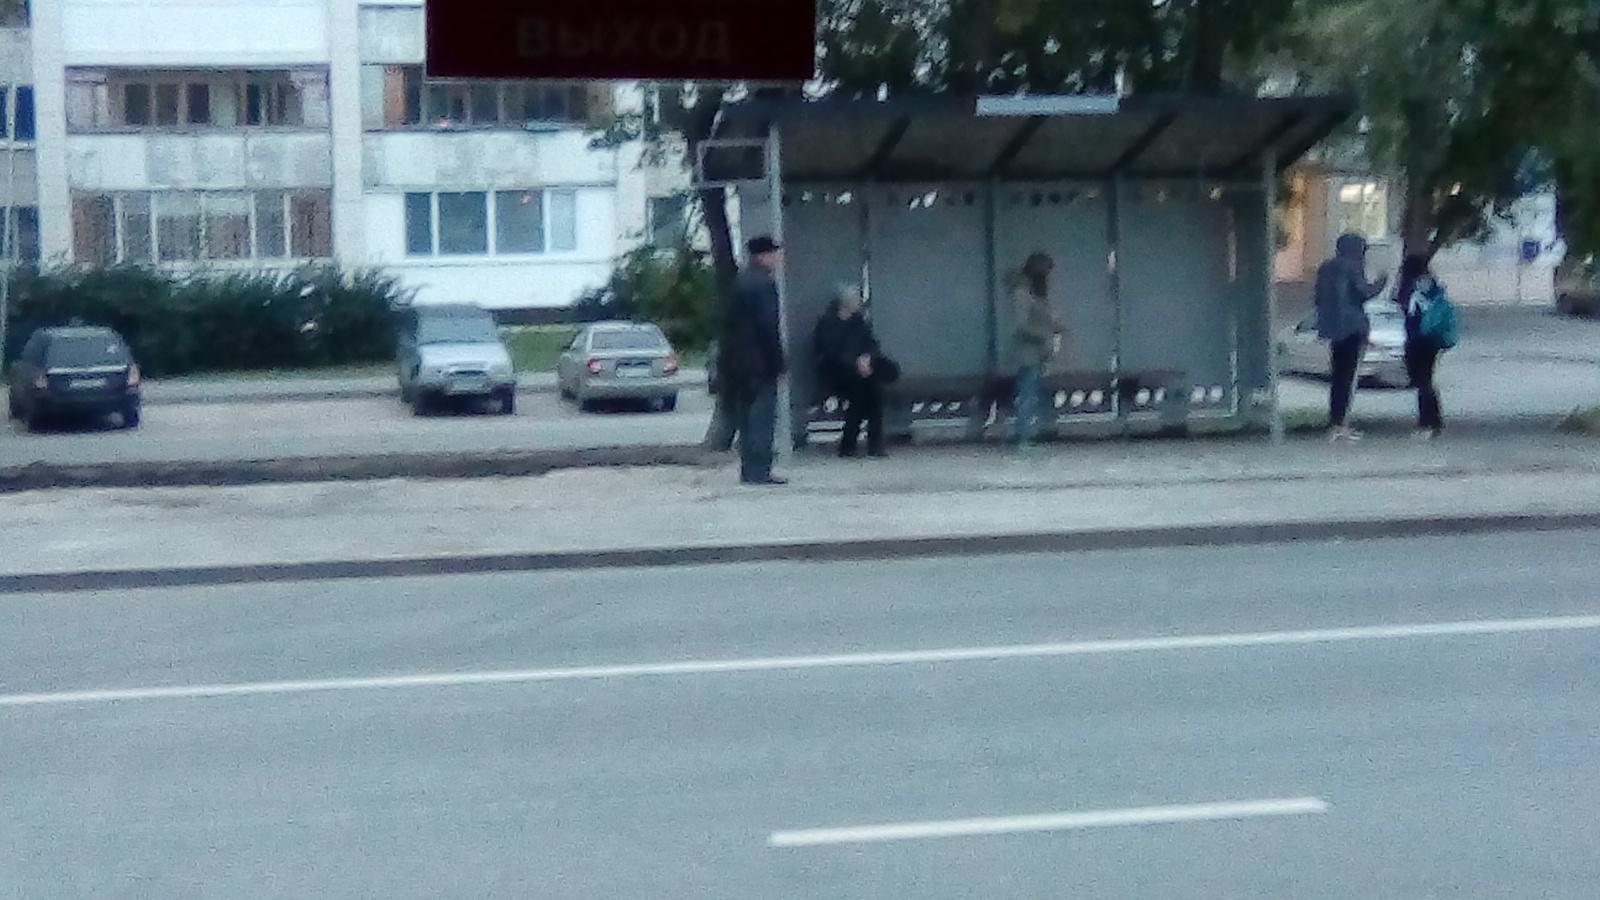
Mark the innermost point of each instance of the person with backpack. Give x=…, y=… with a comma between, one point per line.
x=1430, y=330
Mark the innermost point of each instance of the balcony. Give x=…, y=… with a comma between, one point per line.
x=479, y=160
x=229, y=161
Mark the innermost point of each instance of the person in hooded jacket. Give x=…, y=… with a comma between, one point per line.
x=1342, y=292
x=851, y=366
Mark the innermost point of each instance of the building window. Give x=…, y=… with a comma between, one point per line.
x=184, y=226
x=1362, y=207
x=191, y=100
x=19, y=233
x=409, y=99
x=14, y=14
x=491, y=223
x=16, y=112
x=669, y=220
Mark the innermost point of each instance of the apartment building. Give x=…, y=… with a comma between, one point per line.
x=222, y=133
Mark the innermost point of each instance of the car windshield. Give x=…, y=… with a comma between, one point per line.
x=81, y=351
x=629, y=339
x=457, y=330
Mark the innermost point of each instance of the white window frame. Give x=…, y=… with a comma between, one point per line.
x=119, y=231
x=492, y=223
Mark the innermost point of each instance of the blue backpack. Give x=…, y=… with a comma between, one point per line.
x=1439, y=319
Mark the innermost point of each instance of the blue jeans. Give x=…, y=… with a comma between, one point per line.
x=1025, y=405
x=757, y=417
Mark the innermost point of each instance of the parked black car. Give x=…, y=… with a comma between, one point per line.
x=74, y=372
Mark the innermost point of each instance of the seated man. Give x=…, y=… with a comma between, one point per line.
x=852, y=367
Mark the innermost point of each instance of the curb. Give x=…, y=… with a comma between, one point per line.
x=234, y=473
x=1265, y=533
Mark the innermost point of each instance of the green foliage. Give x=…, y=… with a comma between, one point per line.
x=217, y=322
x=1457, y=95
x=872, y=47
x=675, y=289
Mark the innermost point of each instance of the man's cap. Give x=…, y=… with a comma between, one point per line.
x=761, y=244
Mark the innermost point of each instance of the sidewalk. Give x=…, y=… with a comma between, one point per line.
x=953, y=499
x=307, y=388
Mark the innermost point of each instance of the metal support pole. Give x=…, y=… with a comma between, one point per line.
x=991, y=266
x=1114, y=271
x=784, y=438
x=1269, y=178
x=1235, y=320
x=8, y=247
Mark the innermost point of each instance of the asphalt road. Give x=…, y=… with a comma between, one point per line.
x=1423, y=761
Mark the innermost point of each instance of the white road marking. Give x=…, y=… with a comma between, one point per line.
x=1109, y=818
x=838, y=661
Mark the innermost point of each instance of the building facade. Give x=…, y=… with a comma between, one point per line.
x=1516, y=264
x=254, y=133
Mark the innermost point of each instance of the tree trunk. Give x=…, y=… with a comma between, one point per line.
x=1416, y=220
x=713, y=200
x=1209, y=48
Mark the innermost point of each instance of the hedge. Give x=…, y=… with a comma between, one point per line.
x=218, y=321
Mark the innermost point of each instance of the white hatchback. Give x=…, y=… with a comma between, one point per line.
x=1301, y=352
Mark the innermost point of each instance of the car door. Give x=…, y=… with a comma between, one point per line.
x=28, y=369
x=406, y=351
x=568, y=365
x=1305, y=351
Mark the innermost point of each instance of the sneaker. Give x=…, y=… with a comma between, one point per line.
x=1343, y=433
x=1424, y=434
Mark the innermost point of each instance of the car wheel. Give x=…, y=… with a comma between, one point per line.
x=420, y=405
x=34, y=421
x=130, y=415
x=508, y=403
x=406, y=393
x=666, y=403
x=587, y=405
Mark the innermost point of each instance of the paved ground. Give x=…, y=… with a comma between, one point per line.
x=1516, y=368
x=1390, y=752
x=938, y=492
x=269, y=430
x=1513, y=362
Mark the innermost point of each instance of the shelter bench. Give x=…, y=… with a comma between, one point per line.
x=981, y=400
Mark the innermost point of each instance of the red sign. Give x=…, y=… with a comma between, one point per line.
x=676, y=40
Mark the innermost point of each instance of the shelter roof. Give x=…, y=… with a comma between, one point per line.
x=1024, y=138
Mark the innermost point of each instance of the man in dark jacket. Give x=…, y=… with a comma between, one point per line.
x=1342, y=293
x=752, y=359
x=852, y=368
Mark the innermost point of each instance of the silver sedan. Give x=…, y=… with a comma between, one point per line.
x=1301, y=352
x=611, y=361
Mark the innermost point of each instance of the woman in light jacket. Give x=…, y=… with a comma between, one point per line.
x=1035, y=341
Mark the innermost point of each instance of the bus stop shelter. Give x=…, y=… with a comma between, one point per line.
x=1156, y=210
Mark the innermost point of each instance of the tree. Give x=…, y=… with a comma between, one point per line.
x=873, y=47
x=1456, y=96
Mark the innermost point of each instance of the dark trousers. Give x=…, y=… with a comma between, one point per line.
x=757, y=416
x=863, y=400
x=1421, y=357
x=1344, y=358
